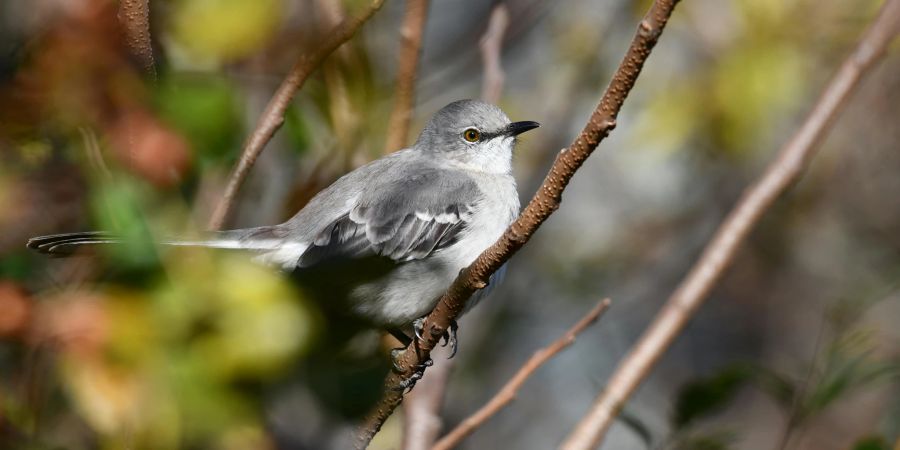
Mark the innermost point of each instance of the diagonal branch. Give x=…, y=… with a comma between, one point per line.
x=404, y=93
x=273, y=116
x=719, y=253
x=421, y=418
x=509, y=391
x=544, y=203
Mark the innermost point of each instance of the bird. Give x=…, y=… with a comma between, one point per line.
x=389, y=237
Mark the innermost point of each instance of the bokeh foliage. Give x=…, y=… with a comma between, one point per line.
x=143, y=346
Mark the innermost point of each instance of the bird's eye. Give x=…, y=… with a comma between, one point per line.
x=471, y=135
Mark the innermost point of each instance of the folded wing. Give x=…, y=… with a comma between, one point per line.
x=405, y=220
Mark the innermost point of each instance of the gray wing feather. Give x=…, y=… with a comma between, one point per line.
x=403, y=219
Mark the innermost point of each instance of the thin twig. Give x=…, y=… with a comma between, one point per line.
x=545, y=202
x=273, y=116
x=134, y=15
x=509, y=391
x=410, y=50
x=422, y=421
x=720, y=251
x=491, y=44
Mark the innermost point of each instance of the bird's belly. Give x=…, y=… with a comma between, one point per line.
x=413, y=289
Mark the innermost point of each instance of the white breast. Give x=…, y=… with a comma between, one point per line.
x=497, y=210
x=414, y=288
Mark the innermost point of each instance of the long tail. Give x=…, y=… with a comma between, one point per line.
x=66, y=244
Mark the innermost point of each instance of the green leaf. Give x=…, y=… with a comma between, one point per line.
x=205, y=112
x=15, y=266
x=296, y=131
x=717, y=441
x=781, y=388
x=847, y=375
x=705, y=396
x=117, y=208
x=871, y=443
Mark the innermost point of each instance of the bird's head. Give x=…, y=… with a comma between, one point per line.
x=474, y=134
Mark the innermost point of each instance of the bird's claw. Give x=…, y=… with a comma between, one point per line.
x=408, y=383
x=449, y=337
x=396, y=353
x=419, y=327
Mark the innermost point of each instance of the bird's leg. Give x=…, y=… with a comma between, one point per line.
x=407, y=384
x=397, y=353
x=449, y=337
x=400, y=336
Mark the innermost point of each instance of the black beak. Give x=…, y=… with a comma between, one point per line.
x=517, y=128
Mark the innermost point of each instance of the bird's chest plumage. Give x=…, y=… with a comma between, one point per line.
x=413, y=289
x=497, y=208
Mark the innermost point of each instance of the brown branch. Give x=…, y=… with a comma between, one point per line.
x=544, y=203
x=134, y=16
x=404, y=93
x=422, y=421
x=273, y=116
x=491, y=44
x=719, y=253
x=509, y=391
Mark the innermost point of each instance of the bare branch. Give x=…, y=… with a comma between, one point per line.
x=491, y=44
x=509, y=391
x=720, y=251
x=134, y=15
x=544, y=203
x=273, y=116
x=404, y=93
x=422, y=421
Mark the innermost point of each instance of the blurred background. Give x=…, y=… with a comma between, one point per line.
x=145, y=347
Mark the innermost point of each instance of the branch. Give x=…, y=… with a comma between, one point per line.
x=422, y=406
x=719, y=253
x=134, y=15
x=273, y=116
x=544, y=203
x=410, y=50
x=422, y=421
x=491, y=44
x=509, y=391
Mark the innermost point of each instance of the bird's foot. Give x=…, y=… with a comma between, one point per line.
x=449, y=335
x=419, y=327
x=408, y=383
x=450, y=338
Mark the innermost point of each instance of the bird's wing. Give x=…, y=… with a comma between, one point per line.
x=405, y=219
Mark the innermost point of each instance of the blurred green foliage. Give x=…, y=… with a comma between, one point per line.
x=872, y=443
x=146, y=347
x=223, y=30
x=703, y=397
x=846, y=363
x=172, y=365
x=206, y=112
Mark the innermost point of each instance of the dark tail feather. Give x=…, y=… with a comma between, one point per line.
x=67, y=243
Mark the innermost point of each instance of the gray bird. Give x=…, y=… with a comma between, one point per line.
x=393, y=234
